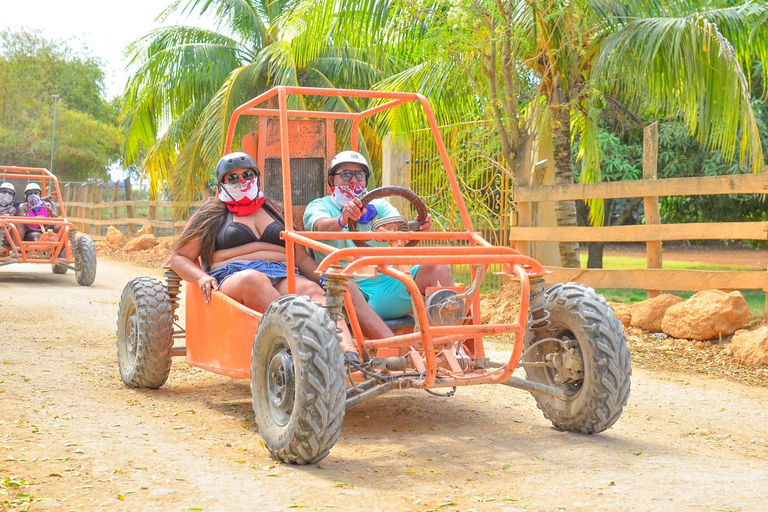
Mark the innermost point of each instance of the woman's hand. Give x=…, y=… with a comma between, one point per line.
x=207, y=284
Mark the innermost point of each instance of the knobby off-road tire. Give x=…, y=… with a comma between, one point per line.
x=596, y=401
x=297, y=380
x=58, y=269
x=144, y=333
x=85, y=261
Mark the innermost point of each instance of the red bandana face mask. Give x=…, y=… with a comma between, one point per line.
x=242, y=198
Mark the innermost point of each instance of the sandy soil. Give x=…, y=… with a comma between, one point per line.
x=73, y=437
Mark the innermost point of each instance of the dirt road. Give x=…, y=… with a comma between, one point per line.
x=72, y=437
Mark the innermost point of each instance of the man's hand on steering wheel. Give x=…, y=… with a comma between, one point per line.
x=427, y=226
x=352, y=210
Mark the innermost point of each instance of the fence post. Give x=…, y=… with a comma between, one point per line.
x=651, y=204
x=115, y=197
x=395, y=160
x=129, y=208
x=97, y=196
x=152, y=214
x=82, y=194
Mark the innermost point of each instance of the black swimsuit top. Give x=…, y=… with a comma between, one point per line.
x=235, y=234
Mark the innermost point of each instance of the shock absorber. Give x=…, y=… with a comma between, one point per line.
x=539, y=316
x=173, y=287
x=335, y=288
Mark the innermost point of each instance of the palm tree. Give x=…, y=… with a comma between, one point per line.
x=657, y=58
x=187, y=80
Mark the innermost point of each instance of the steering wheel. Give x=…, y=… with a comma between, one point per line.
x=406, y=194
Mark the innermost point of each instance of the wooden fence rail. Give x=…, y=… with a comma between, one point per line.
x=652, y=233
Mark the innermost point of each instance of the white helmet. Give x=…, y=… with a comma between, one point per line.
x=33, y=186
x=350, y=157
x=9, y=186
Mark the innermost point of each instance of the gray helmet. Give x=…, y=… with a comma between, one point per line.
x=232, y=161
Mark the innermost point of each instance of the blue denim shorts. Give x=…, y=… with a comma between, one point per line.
x=274, y=270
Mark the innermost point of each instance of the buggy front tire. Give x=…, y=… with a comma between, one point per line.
x=589, y=359
x=58, y=269
x=297, y=383
x=144, y=333
x=85, y=261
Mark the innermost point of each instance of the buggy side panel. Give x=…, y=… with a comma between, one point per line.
x=219, y=335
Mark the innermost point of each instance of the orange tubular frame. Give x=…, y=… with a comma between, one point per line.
x=361, y=261
x=61, y=250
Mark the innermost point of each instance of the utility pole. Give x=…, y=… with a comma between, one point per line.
x=53, y=130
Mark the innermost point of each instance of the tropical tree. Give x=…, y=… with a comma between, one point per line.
x=32, y=70
x=186, y=80
x=657, y=59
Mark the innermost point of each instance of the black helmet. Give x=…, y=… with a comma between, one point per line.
x=232, y=161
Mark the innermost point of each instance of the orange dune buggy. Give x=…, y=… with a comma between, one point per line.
x=58, y=245
x=566, y=337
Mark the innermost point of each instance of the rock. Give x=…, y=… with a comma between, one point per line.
x=647, y=315
x=623, y=312
x=146, y=229
x=706, y=315
x=750, y=348
x=141, y=243
x=114, y=236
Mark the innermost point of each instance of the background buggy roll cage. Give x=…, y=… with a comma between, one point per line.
x=29, y=174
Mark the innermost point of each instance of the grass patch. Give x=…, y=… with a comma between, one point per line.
x=631, y=263
x=755, y=298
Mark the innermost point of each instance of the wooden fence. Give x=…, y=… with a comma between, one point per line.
x=653, y=233
x=93, y=207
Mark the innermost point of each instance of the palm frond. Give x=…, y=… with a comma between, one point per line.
x=667, y=66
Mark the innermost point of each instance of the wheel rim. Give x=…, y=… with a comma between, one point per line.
x=571, y=387
x=281, y=385
x=131, y=336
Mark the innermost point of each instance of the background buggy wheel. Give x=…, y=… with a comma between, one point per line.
x=85, y=261
x=587, y=355
x=58, y=269
x=144, y=333
x=297, y=380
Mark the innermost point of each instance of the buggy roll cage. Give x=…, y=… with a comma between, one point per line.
x=363, y=261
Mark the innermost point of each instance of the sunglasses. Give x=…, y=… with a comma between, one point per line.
x=30, y=192
x=233, y=179
x=6, y=191
x=347, y=175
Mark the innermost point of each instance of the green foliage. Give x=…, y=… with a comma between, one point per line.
x=32, y=70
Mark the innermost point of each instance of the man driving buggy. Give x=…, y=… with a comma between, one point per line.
x=382, y=297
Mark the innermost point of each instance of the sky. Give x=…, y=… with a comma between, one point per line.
x=105, y=27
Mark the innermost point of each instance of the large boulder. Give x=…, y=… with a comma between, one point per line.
x=141, y=243
x=623, y=312
x=648, y=314
x=750, y=348
x=706, y=315
x=114, y=236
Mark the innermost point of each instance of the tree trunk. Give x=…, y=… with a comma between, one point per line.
x=594, y=249
x=565, y=211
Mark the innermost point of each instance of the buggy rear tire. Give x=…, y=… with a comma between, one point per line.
x=595, y=398
x=144, y=333
x=297, y=383
x=85, y=261
x=58, y=269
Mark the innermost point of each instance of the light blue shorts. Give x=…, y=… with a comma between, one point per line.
x=274, y=270
x=388, y=297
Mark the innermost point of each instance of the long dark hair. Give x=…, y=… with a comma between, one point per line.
x=206, y=222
